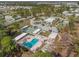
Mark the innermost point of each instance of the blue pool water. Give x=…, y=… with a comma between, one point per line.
x=35, y=40
x=30, y=44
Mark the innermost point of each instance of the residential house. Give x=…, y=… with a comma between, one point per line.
x=9, y=19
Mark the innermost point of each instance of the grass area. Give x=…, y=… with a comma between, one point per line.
x=42, y=54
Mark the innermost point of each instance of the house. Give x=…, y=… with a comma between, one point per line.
x=50, y=20
x=9, y=19
x=24, y=28
x=49, y=43
x=36, y=31
x=17, y=17
x=35, y=21
x=54, y=33
x=31, y=30
x=22, y=21
x=57, y=5
x=72, y=4
x=42, y=25
x=77, y=14
x=66, y=13
x=76, y=10
x=19, y=37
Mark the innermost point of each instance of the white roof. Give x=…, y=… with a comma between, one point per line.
x=36, y=31
x=54, y=30
x=24, y=27
x=57, y=5
x=65, y=22
x=20, y=36
x=76, y=14
x=51, y=19
x=77, y=10
x=71, y=4
x=65, y=12
x=68, y=14
x=53, y=35
x=9, y=18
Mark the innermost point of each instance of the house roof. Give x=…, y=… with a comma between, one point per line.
x=77, y=10
x=51, y=19
x=76, y=14
x=54, y=33
x=20, y=36
x=36, y=31
x=8, y=18
x=65, y=12
x=54, y=30
x=24, y=27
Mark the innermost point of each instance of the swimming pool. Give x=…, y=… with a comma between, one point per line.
x=30, y=44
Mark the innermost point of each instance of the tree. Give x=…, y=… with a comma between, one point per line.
x=78, y=3
x=2, y=33
x=7, y=45
x=23, y=12
x=2, y=30
x=76, y=45
x=35, y=10
x=13, y=30
x=42, y=10
x=2, y=23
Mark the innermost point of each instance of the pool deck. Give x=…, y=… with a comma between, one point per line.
x=29, y=39
x=36, y=46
